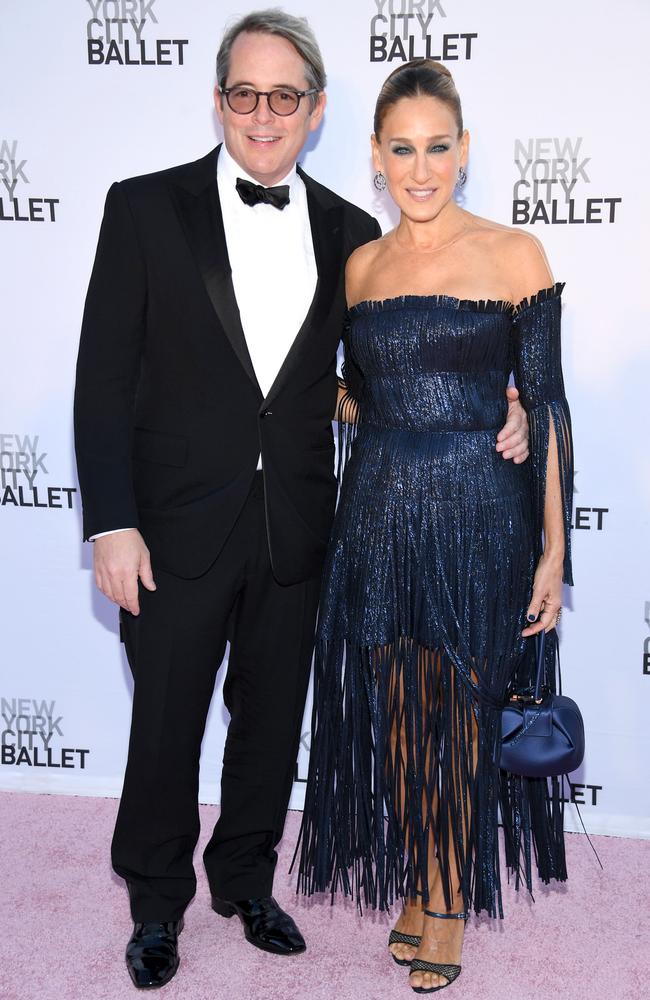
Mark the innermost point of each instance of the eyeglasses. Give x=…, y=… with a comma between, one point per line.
x=243, y=100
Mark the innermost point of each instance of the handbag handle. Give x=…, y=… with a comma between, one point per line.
x=539, y=679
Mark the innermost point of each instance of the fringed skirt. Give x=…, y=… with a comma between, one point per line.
x=425, y=592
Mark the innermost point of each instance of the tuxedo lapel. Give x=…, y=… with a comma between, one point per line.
x=326, y=234
x=196, y=197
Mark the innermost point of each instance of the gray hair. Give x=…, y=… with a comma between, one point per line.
x=275, y=21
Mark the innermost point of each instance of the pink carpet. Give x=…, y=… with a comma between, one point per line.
x=65, y=923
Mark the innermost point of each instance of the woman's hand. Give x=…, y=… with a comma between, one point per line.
x=512, y=439
x=546, y=601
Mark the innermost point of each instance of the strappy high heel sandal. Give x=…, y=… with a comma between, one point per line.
x=396, y=937
x=449, y=971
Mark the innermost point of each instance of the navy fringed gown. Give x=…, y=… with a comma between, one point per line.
x=425, y=593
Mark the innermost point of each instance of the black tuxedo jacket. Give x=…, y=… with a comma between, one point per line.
x=169, y=417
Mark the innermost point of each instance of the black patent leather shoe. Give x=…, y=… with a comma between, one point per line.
x=265, y=925
x=152, y=954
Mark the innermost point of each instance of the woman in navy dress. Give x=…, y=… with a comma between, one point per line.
x=444, y=560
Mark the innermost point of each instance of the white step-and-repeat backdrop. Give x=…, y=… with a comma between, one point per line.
x=98, y=90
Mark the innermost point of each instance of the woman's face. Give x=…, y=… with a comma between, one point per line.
x=420, y=152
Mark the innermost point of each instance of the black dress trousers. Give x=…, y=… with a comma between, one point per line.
x=175, y=647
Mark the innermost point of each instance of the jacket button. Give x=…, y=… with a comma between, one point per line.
x=267, y=413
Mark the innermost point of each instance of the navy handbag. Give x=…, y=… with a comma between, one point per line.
x=542, y=734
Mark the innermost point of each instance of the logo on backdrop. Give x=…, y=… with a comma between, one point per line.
x=584, y=795
x=550, y=188
x=32, y=736
x=587, y=518
x=405, y=29
x=23, y=466
x=16, y=204
x=646, y=641
x=120, y=33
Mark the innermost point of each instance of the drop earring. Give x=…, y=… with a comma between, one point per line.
x=462, y=177
x=380, y=181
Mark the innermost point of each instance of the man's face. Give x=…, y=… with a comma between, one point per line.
x=265, y=145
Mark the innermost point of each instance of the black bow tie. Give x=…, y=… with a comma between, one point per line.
x=255, y=194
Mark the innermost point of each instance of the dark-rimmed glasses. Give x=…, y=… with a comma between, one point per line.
x=243, y=100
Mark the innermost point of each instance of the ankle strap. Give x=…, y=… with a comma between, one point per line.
x=458, y=916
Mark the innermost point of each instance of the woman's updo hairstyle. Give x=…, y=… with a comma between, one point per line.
x=418, y=78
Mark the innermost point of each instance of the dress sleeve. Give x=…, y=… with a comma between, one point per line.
x=349, y=408
x=538, y=377
x=352, y=380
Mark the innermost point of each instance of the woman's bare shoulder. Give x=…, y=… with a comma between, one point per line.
x=360, y=262
x=508, y=239
x=364, y=255
x=519, y=254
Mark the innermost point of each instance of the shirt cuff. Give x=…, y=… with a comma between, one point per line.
x=101, y=534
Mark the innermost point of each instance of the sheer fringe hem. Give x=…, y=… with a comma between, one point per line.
x=396, y=788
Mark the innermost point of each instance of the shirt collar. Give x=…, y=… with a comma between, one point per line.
x=228, y=170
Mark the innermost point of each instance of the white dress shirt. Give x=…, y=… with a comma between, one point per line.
x=273, y=266
x=274, y=275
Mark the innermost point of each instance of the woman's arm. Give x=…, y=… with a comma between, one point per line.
x=538, y=374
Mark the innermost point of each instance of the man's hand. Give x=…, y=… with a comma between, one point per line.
x=120, y=558
x=512, y=439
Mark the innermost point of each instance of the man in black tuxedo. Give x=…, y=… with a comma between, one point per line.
x=206, y=386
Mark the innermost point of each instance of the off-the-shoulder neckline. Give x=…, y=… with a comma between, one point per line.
x=469, y=305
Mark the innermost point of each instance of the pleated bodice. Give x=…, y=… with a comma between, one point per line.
x=433, y=362
x=435, y=374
